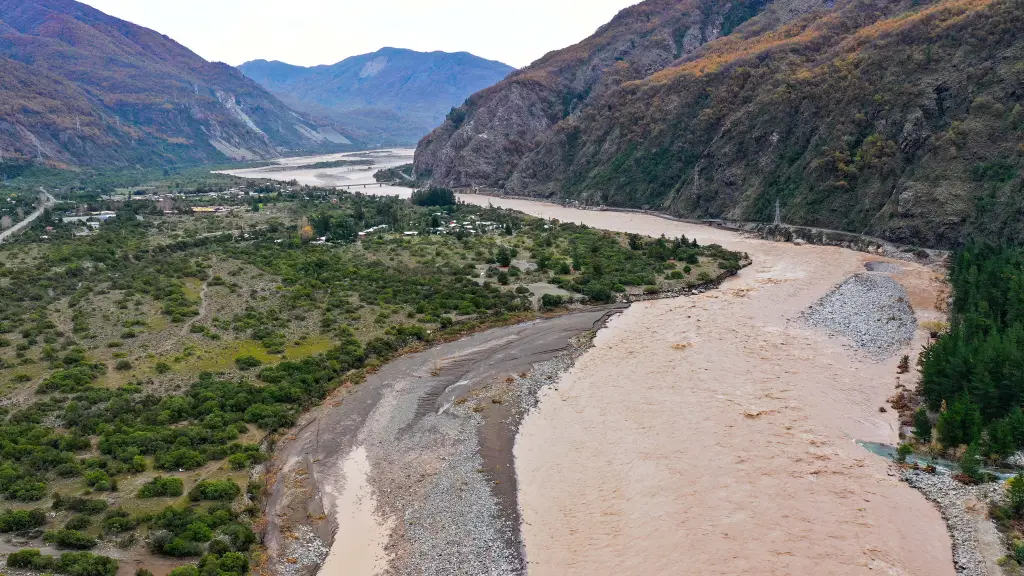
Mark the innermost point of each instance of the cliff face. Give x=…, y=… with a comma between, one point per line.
x=897, y=119
x=80, y=87
x=483, y=142
x=391, y=97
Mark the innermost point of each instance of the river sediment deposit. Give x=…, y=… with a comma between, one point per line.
x=709, y=434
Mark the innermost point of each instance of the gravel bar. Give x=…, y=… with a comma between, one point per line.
x=872, y=310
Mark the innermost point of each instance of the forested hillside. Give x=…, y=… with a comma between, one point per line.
x=390, y=97
x=78, y=87
x=898, y=119
x=976, y=370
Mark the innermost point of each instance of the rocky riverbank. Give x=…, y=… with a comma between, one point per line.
x=970, y=530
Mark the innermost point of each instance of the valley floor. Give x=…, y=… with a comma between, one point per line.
x=712, y=433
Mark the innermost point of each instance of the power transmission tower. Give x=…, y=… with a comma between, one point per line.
x=778, y=213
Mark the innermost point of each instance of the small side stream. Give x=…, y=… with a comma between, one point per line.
x=889, y=452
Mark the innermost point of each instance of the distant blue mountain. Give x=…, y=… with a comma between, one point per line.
x=392, y=96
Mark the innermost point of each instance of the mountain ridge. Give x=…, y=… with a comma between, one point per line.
x=901, y=120
x=392, y=96
x=80, y=87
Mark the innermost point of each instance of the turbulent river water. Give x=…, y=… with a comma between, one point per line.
x=715, y=434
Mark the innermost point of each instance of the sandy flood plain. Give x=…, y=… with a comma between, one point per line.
x=344, y=176
x=715, y=434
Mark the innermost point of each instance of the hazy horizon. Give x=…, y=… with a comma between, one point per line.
x=315, y=32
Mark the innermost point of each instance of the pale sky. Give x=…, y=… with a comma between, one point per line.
x=310, y=32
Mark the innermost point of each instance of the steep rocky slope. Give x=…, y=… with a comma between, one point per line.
x=392, y=96
x=482, y=142
x=898, y=119
x=80, y=87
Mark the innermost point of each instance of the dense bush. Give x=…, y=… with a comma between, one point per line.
x=86, y=506
x=18, y=520
x=66, y=538
x=69, y=563
x=161, y=486
x=225, y=490
x=247, y=362
x=180, y=532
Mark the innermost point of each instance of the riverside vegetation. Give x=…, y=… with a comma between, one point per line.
x=972, y=387
x=148, y=367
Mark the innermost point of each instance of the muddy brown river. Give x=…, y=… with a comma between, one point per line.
x=714, y=434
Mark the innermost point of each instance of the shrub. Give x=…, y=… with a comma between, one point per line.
x=185, y=571
x=78, y=522
x=549, y=301
x=922, y=425
x=123, y=365
x=18, y=520
x=162, y=367
x=73, y=539
x=224, y=490
x=903, y=452
x=183, y=459
x=227, y=564
x=100, y=481
x=904, y=365
x=248, y=362
x=82, y=505
x=1015, y=495
x=118, y=521
x=969, y=464
x=86, y=564
x=160, y=486
x=32, y=559
x=181, y=548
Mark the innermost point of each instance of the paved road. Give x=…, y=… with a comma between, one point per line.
x=50, y=201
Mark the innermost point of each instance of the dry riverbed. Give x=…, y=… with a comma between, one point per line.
x=412, y=470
